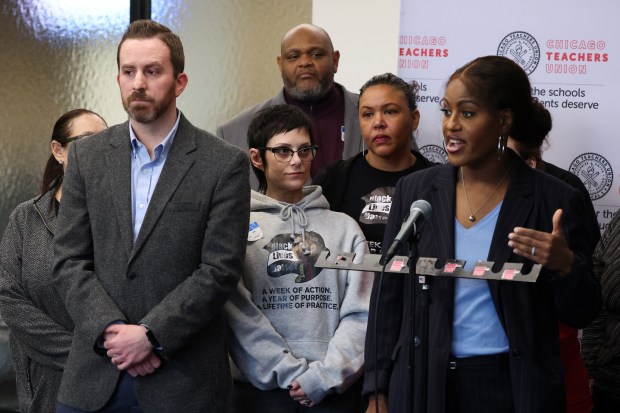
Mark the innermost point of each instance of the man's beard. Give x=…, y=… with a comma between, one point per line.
x=311, y=94
x=148, y=113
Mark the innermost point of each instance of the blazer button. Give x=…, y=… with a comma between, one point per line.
x=516, y=353
x=131, y=275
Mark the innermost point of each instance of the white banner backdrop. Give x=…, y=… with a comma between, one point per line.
x=571, y=51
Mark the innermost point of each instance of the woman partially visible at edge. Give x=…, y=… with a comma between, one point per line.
x=601, y=339
x=362, y=187
x=40, y=327
x=493, y=345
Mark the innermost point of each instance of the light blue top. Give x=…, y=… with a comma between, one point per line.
x=145, y=173
x=476, y=329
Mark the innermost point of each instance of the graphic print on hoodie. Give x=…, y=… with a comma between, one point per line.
x=295, y=255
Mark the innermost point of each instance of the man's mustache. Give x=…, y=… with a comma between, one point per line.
x=138, y=95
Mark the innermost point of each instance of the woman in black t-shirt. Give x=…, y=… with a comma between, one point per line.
x=362, y=186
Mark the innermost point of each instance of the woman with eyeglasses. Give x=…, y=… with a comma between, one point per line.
x=298, y=330
x=40, y=327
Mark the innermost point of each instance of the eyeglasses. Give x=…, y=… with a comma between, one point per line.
x=284, y=154
x=75, y=138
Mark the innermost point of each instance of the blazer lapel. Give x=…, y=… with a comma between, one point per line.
x=440, y=244
x=516, y=208
x=119, y=161
x=179, y=161
x=441, y=198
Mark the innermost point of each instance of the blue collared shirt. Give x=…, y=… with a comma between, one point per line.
x=145, y=173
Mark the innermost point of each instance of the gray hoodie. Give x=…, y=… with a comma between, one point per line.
x=290, y=320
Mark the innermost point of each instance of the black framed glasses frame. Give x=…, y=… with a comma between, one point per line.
x=284, y=154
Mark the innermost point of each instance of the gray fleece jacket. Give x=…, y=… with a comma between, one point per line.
x=289, y=319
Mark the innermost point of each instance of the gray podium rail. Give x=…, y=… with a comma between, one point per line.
x=483, y=270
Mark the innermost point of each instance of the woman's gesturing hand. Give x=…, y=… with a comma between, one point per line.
x=548, y=249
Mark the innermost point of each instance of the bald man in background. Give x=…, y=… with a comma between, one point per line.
x=308, y=63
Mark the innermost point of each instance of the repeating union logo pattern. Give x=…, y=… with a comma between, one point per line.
x=596, y=173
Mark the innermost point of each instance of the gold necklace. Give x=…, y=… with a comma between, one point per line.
x=472, y=216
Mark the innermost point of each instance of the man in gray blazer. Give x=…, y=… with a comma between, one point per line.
x=149, y=244
x=308, y=63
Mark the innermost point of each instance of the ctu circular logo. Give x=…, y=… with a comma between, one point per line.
x=595, y=172
x=434, y=153
x=522, y=48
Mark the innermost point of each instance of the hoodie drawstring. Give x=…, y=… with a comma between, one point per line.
x=299, y=216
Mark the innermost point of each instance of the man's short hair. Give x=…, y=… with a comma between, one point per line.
x=147, y=29
x=272, y=121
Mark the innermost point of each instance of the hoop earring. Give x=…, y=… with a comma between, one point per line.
x=501, y=147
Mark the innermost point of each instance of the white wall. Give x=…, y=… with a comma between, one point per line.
x=365, y=32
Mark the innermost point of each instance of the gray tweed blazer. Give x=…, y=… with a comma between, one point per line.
x=40, y=328
x=175, y=277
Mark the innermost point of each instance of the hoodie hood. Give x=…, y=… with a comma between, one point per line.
x=313, y=200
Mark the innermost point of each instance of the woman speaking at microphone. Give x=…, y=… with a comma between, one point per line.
x=493, y=345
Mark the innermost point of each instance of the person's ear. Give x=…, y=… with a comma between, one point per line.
x=415, y=120
x=181, y=82
x=335, y=60
x=56, y=148
x=256, y=159
x=505, y=121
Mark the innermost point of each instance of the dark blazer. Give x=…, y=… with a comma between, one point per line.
x=175, y=278
x=529, y=313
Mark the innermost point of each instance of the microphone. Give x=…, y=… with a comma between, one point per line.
x=419, y=211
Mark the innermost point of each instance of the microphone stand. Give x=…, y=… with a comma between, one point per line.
x=418, y=291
